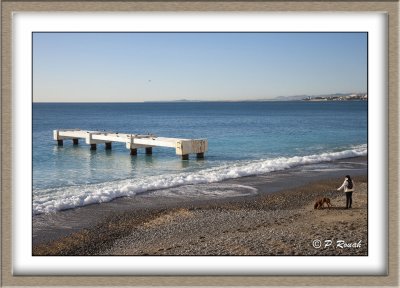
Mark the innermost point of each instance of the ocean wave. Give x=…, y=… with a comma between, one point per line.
x=53, y=200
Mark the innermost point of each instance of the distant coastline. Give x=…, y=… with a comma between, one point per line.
x=313, y=98
x=351, y=97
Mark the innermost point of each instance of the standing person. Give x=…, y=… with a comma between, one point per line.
x=348, y=187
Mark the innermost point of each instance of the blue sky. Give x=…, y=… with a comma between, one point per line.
x=136, y=67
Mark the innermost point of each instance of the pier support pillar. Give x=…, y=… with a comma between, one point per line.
x=60, y=142
x=75, y=141
x=185, y=157
x=133, y=151
x=108, y=145
x=93, y=146
x=149, y=150
x=200, y=155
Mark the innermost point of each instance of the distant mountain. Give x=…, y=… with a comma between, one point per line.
x=289, y=98
x=186, y=100
x=169, y=101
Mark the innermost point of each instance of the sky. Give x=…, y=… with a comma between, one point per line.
x=137, y=67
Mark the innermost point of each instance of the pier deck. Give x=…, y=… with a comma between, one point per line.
x=183, y=147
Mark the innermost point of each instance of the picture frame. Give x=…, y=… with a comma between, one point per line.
x=7, y=277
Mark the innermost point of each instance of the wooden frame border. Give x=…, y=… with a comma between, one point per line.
x=8, y=7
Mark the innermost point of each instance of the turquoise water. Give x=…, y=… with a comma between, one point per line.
x=244, y=138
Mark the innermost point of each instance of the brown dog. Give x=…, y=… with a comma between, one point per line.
x=320, y=203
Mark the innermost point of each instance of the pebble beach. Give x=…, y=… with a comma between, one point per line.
x=274, y=224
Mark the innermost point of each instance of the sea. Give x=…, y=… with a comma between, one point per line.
x=244, y=139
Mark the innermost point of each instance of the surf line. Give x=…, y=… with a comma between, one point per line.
x=183, y=147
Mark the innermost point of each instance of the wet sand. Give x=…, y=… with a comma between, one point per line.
x=279, y=220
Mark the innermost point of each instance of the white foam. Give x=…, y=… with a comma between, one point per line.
x=52, y=200
x=209, y=190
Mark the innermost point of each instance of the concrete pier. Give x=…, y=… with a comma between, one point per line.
x=200, y=155
x=182, y=147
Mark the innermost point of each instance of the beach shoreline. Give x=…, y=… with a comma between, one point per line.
x=278, y=220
